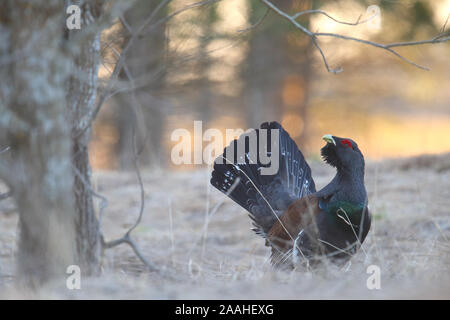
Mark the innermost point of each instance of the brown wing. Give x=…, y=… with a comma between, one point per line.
x=282, y=235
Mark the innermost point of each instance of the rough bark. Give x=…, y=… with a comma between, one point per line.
x=44, y=106
x=81, y=99
x=37, y=168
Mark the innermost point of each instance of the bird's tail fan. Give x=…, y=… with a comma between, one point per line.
x=264, y=172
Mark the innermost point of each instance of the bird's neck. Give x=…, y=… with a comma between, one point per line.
x=347, y=185
x=350, y=185
x=350, y=175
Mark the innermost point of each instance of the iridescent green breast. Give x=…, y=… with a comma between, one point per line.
x=345, y=210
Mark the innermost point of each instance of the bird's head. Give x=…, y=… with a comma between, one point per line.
x=342, y=153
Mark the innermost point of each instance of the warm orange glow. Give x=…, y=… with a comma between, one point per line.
x=293, y=90
x=293, y=124
x=385, y=135
x=102, y=148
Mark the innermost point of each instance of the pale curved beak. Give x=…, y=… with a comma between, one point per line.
x=329, y=138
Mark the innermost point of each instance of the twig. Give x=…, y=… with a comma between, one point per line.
x=357, y=22
x=172, y=237
x=257, y=23
x=316, y=44
x=387, y=47
x=125, y=24
x=339, y=250
x=348, y=221
x=206, y=224
x=443, y=37
x=127, y=240
x=445, y=24
x=127, y=237
x=120, y=62
x=213, y=211
x=137, y=83
x=439, y=229
x=170, y=16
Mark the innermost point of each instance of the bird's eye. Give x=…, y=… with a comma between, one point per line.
x=346, y=143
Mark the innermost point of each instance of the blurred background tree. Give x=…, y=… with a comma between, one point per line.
x=232, y=79
x=146, y=64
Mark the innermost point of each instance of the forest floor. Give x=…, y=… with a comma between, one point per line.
x=205, y=249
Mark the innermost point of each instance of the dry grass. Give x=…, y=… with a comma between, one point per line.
x=219, y=257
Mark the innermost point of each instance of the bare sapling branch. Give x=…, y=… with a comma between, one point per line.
x=144, y=28
x=440, y=38
x=127, y=237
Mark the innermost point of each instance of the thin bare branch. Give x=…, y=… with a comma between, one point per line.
x=387, y=47
x=127, y=237
x=287, y=16
x=170, y=16
x=443, y=37
x=257, y=23
x=357, y=22
x=445, y=24
x=438, y=39
x=125, y=24
x=316, y=44
x=214, y=210
x=119, y=65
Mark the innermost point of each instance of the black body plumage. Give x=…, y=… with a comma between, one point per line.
x=260, y=194
x=341, y=220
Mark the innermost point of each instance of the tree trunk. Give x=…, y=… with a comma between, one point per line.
x=81, y=99
x=37, y=168
x=44, y=107
x=88, y=236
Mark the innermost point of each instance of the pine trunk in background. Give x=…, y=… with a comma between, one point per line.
x=37, y=168
x=204, y=87
x=145, y=63
x=278, y=71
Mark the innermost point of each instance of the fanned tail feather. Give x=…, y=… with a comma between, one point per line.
x=264, y=196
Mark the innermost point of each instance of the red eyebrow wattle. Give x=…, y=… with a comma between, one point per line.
x=346, y=142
